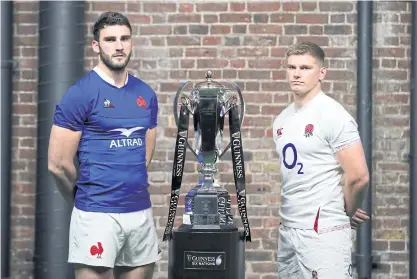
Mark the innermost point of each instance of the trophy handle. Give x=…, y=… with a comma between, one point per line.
x=242, y=113
x=177, y=95
x=243, y=104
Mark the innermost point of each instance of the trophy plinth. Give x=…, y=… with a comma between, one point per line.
x=205, y=209
x=208, y=240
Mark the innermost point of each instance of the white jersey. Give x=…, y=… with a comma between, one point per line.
x=307, y=140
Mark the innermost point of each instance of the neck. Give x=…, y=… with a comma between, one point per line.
x=119, y=77
x=302, y=100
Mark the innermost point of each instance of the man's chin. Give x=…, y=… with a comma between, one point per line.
x=298, y=91
x=118, y=67
x=119, y=60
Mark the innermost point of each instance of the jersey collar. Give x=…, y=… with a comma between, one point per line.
x=106, y=78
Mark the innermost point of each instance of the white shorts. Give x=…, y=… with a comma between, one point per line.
x=305, y=254
x=113, y=239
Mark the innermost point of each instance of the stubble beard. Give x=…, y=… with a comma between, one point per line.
x=116, y=67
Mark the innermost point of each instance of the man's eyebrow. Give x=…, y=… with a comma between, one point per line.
x=114, y=37
x=302, y=65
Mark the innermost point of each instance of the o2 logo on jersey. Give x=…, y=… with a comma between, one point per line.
x=294, y=163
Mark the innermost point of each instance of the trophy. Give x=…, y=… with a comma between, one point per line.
x=208, y=244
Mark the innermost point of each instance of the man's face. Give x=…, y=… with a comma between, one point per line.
x=114, y=46
x=304, y=73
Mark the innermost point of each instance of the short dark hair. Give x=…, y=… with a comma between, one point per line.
x=306, y=48
x=108, y=19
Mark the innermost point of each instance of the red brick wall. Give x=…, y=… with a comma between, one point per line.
x=391, y=135
x=242, y=42
x=25, y=49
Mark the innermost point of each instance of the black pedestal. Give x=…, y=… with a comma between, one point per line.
x=206, y=255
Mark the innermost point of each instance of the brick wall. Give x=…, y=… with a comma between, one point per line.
x=25, y=49
x=242, y=42
x=391, y=136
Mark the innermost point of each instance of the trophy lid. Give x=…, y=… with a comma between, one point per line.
x=209, y=83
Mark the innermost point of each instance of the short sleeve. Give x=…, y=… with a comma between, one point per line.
x=71, y=112
x=343, y=132
x=275, y=129
x=154, y=111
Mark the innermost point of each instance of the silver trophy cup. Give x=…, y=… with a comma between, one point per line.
x=208, y=206
x=208, y=244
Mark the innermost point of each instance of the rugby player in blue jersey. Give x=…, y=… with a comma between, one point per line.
x=107, y=120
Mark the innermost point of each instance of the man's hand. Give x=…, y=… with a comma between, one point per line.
x=358, y=219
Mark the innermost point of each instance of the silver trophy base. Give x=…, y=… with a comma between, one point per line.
x=205, y=209
x=206, y=217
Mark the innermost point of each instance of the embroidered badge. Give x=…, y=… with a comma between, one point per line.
x=108, y=104
x=141, y=102
x=97, y=250
x=308, y=131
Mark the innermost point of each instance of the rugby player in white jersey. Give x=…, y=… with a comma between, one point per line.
x=324, y=174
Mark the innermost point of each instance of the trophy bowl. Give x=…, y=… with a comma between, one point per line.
x=229, y=92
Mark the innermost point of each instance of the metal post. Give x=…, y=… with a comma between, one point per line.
x=61, y=59
x=413, y=146
x=6, y=132
x=364, y=117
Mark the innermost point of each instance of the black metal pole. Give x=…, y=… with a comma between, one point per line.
x=364, y=118
x=413, y=145
x=6, y=131
x=61, y=58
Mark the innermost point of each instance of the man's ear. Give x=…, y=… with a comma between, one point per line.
x=95, y=46
x=323, y=72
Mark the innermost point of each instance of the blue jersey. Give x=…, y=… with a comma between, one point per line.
x=111, y=153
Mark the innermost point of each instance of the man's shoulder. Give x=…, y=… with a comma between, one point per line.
x=332, y=104
x=135, y=79
x=284, y=113
x=83, y=89
x=332, y=109
x=85, y=81
x=333, y=115
x=139, y=84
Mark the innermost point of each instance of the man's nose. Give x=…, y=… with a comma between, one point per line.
x=119, y=45
x=296, y=73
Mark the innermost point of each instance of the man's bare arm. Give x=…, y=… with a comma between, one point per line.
x=63, y=145
x=356, y=176
x=150, y=145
